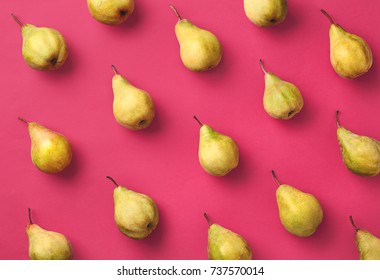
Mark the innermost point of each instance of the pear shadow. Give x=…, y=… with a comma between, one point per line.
x=154, y=240
x=155, y=126
x=301, y=119
x=71, y=170
x=286, y=26
x=368, y=81
x=133, y=20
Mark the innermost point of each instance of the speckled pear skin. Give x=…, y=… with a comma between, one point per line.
x=368, y=244
x=111, y=12
x=350, y=54
x=266, y=13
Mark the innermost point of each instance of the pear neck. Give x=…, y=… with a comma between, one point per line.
x=176, y=13
x=23, y=120
x=30, y=216
x=275, y=178
x=17, y=20
x=262, y=66
x=114, y=70
x=337, y=119
x=207, y=219
x=113, y=181
x=353, y=224
x=198, y=121
x=328, y=16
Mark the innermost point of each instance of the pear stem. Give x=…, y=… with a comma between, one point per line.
x=23, y=120
x=262, y=66
x=337, y=118
x=176, y=12
x=207, y=218
x=114, y=69
x=198, y=121
x=30, y=216
x=275, y=178
x=328, y=16
x=116, y=184
x=353, y=224
x=17, y=20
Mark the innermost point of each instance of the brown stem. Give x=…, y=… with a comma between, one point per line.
x=23, y=120
x=328, y=16
x=207, y=218
x=353, y=224
x=275, y=178
x=337, y=118
x=198, y=121
x=30, y=216
x=17, y=20
x=176, y=12
x=262, y=67
x=116, y=184
x=114, y=69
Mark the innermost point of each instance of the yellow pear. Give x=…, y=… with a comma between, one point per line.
x=50, y=151
x=136, y=214
x=43, y=48
x=266, y=12
x=111, y=11
x=368, y=245
x=132, y=107
x=218, y=153
x=200, y=50
x=350, y=55
x=46, y=245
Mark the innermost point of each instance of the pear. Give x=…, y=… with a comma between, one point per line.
x=266, y=13
x=300, y=213
x=224, y=244
x=200, y=50
x=132, y=107
x=361, y=154
x=111, y=12
x=43, y=48
x=218, y=153
x=46, y=245
x=50, y=151
x=136, y=214
x=368, y=244
x=282, y=100
x=350, y=55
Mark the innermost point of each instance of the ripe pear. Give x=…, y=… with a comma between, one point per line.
x=224, y=244
x=43, y=48
x=266, y=13
x=136, y=214
x=300, y=213
x=361, y=154
x=282, y=100
x=50, y=151
x=132, y=107
x=200, y=50
x=111, y=11
x=368, y=244
x=350, y=55
x=46, y=245
x=218, y=153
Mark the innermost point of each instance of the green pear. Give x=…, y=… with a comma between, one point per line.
x=266, y=12
x=300, y=213
x=43, y=48
x=361, y=154
x=200, y=50
x=132, y=107
x=111, y=11
x=282, y=100
x=136, y=214
x=46, y=245
x=218, y=153
x=50, y=151
x=350, y=55
x=224, y=244
x=368, y=244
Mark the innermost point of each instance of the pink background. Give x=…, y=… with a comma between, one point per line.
x=162, y=161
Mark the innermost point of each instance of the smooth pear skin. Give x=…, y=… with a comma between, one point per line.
x=111, y=12
x=218, y=153
x=47, y=245
x=368, y=245
x=282, y=100
x=266, y=13
x=200, y=50
x=136, y=214
x=50, y=151
x=132, y=107
x=224, y=244
x=43, y=48
x=300, y=213
x=360, y=154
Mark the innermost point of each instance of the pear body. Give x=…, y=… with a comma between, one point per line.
x=218, y=153
x=136, y=214
x=43, y=48
x=282, y=100
x=300, y=213
x=132, y=107
x=350, y=55
x=200, y=50
x=265, y=13
x=360, y=154
x=47, y=245
x=368, y=245
x=50, y=151
x=224, y=244
x=111, y=12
